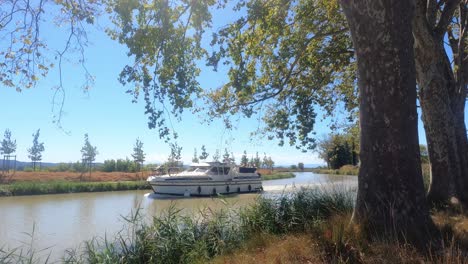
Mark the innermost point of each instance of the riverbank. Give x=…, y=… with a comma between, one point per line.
x=57, y=187
x=308, y=226
x=345, y=170
x=30, y=187
x=277, y=176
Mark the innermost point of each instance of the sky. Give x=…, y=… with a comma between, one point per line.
x=113, y=122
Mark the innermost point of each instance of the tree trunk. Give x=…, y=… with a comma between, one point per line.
x=443, y=122
x=391, y=199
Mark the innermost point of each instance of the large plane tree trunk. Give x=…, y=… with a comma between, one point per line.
x=442, y=110
x=391, y=198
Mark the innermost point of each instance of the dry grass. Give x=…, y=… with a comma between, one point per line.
x=265, y=248
x=338, y=241
x=97, y=176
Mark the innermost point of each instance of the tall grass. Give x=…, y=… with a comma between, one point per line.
x=175, y=238
x=55, y=187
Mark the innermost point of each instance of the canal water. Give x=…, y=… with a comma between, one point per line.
x=55, y=223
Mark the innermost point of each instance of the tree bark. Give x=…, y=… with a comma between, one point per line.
x=442, y=113
x=391, y=199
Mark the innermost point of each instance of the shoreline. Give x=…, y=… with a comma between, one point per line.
x=27, y=188
x=61, y=187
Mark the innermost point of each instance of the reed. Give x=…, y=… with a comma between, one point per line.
x=318, y=216
x=175, y=238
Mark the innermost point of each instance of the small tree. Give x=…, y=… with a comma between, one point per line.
x=175, y=155
x=8, y=145
x=204, y=155
x=195, y=156
x=244, y=159
x=233, y=159
x=138, y=154
x=257, y=162
x=226, y=156
x=252, y=162
x=300, y=166
x=35, y=152
x=294, y=167
x=216, y=156
x=265, y=161
x=88, y=154
x=270, y=164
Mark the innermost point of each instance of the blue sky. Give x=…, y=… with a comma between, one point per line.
x=113, y=122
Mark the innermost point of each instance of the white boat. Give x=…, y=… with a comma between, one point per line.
x=206, y=179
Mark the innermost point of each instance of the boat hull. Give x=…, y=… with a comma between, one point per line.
x=206, y=188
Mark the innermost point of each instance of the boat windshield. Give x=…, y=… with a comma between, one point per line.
x=197, y=169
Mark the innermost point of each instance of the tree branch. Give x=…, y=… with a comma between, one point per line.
x=431, y=13
x=446, y=17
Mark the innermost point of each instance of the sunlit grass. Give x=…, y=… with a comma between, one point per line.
x=56, y=187
x=277, y=176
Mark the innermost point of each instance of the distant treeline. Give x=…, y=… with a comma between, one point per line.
x=112, y=165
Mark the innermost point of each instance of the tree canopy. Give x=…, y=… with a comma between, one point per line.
x=35, y=152
x=280, y=55
x=88, y=151
x=138, y=153
x=8, y=145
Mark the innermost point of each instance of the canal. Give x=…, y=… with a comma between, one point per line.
x=55, y=223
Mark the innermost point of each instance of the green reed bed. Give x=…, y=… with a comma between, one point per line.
x=56, y=187
x=173, y=237
x=176, y=238
x=277, y=176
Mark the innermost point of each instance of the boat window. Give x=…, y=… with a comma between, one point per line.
x=220, y=170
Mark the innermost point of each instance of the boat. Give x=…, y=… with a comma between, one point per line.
x=207, y=179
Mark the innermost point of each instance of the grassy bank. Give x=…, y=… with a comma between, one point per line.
x=308, y=226
x=345, y=170
x=56, y=187
x=277, y=175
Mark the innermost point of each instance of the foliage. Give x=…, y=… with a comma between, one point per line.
x=26, y=56
x=300, y=166
x=165, y=49
x=216, y=156
x=122, y=165
x=293, y=167
x=175, y=155
x=88, y=151
x=226, y=156
x=35, y=152
x=173, y=237
x=277, y=176
x=8, y=146
x=244, y=160
x=204, y=155
x=337, y=150
x=195, y=156
x=138, y=154
x=286, y=60
x=257, y=162
x=344, y=170
x=424, y=153
x=270, y=164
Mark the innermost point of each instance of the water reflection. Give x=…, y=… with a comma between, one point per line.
x=64, y=221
